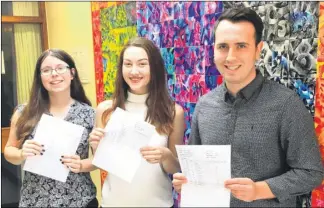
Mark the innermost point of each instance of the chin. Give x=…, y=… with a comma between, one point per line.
x=57, y=90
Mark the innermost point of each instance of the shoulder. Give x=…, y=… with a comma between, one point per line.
x=17, y=112
x=278, y=93
x=21, y=107
x=85, y=108
x=178, y=109
x=211, y=98
x=179, y=112
x=277, y=89
x=104, y=106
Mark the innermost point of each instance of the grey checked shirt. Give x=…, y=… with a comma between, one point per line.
x=272, y=137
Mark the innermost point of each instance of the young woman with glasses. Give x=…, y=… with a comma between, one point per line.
x=56, y=91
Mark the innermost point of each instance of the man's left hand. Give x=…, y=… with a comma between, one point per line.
x=242, y=188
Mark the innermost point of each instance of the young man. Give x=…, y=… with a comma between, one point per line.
x=275, y=154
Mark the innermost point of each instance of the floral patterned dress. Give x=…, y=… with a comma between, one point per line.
x=79, y=189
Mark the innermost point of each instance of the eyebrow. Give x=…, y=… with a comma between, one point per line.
x=143, y=59
x=55, y=66
x=239, y=43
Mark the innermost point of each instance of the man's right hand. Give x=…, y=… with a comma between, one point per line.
x=95, y=136
x=178, y=180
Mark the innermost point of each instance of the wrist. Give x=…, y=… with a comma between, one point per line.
x=263, y=191
x=81, y=166
x=166, y=154
x=21, y=157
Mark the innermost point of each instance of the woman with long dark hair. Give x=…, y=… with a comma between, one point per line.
x=56, y=91
x=140, y=88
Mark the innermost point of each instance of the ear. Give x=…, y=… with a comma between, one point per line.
x=258, y=50
x=72, y=73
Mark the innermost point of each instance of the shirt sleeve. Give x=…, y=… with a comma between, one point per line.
x=194, y=138
x=303, y=159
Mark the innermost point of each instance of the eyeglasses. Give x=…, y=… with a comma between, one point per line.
x=59, y=70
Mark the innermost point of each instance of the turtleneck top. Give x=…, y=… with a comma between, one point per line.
x=151, y=186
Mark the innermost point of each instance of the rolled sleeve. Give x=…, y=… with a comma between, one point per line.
x=298, y=139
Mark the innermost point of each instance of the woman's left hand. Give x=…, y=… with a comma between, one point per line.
x=73, y=162
x=154, y=154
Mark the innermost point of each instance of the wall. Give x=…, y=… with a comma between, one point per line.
x=182, y=30
x=69, y=28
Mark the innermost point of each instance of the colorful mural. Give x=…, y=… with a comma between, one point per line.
x=318, y=193
x=293, y=52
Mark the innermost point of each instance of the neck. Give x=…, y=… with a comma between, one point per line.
x=234, y=88
x=60, y=100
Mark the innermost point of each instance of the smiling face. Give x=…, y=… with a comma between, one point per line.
x=136, y=70
x=235, y=53
x=56, y=82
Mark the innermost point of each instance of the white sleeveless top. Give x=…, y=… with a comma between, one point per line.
x=151, y=187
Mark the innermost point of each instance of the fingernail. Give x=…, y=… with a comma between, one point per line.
x=42, y=145
x=43, y=150
x=62, y=162
x=60, y=159
x=41, y=153
x=62, y=156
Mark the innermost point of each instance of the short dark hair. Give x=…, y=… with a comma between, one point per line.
x=243, y=14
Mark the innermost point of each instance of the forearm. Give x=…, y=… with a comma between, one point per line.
x=13, y=155
x=87, y=165
x=294, y=182
x=170, y=164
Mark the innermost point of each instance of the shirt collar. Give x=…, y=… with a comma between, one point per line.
x=247, y=91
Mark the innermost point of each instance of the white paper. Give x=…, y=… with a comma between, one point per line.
x=206, y=168
x=59, y=137
x=119, y=151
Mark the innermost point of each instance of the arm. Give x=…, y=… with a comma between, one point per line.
x=12, y=152
x=170, y=164
x=76, y=165
x=305, y=170
x=98, y=132
x=96, y=135
x=299, y=141
x=73, y=162
x=86, y=164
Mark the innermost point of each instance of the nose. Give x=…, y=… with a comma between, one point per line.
x=231, y=55
x=54, y=73
x=134, y=70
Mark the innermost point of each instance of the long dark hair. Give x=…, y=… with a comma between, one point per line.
x=161, y=108
x=38, y=101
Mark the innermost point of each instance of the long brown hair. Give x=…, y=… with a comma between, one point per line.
x=161, y=108
x=38, y=101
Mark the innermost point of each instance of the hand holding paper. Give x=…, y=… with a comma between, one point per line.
x=178, y=180
x=206, y=168
x=119, y=151
x=59, y=138
x=242, y=188
x=73, y=162
x=154, y=154
x=95, y=136
x=31, y=148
